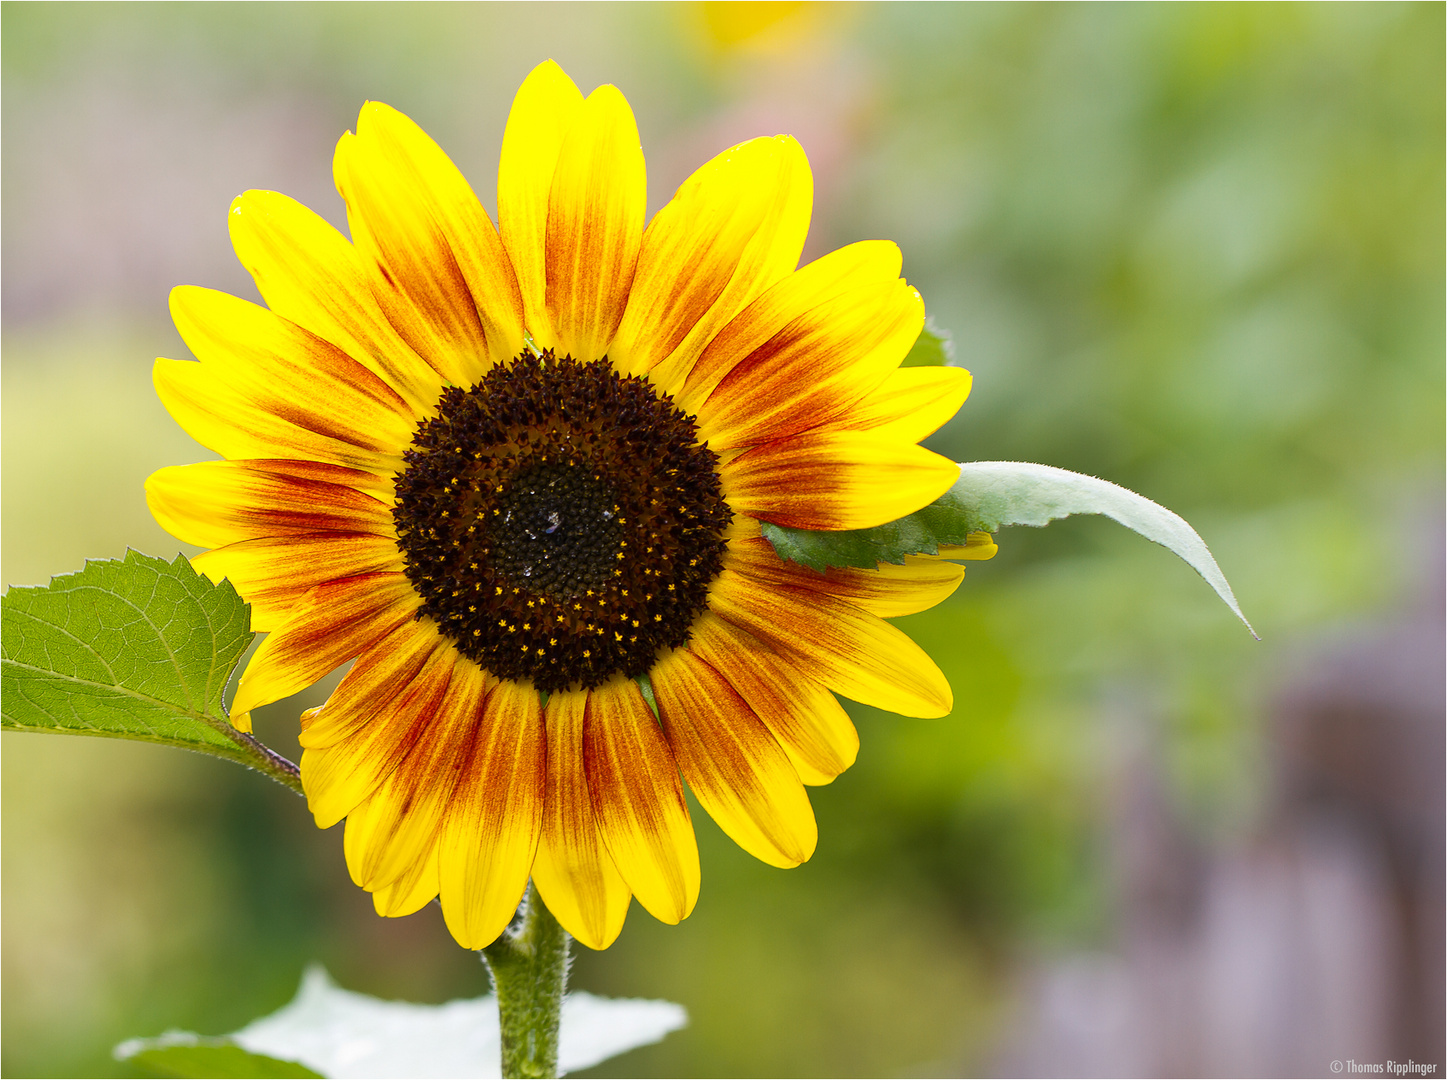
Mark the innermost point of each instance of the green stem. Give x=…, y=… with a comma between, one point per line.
x=529, y=968
x=257, y=755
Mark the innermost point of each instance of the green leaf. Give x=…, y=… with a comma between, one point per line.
x=932, y=348
x=992, y=494
x=184, y=1054
x=130, y=649
x=645, y=684
x=941, y=522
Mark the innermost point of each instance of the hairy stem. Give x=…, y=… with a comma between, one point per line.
x=257, y=755
x=529, y=968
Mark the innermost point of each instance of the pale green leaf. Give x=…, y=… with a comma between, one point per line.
x=341, y=1034
x=932, y=348
x=992, y=494
x=135, y=648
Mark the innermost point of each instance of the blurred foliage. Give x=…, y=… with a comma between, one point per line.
x=1194, y=249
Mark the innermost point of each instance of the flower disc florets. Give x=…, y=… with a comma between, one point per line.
x=560, y=521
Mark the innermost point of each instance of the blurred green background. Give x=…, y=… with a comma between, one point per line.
x=1195, y=249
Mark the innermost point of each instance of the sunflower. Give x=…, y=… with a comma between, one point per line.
x=517, y=474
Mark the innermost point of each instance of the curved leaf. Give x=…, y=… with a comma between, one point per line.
x=993, y=494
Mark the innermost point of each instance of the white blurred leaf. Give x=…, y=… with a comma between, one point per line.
x=996, y=493
x=988, y=496
x=342, y=1034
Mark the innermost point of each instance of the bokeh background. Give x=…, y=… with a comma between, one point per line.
x=1195, y=249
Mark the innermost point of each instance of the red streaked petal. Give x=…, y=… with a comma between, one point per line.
x=337, y=778
x=380, y=674
x=546, y=106
x=596, y=208
x=214, y=503
x=911, y=404
x=447, y=283
x=410, y=893
x=868, y=262
x=733, y=229
x=638, y=800
x=309, y=274
x=731, y=762
x=396, y=826
x=573, y=871
x=832, y=480
x=888, y=591
x=273, y=572
x=806, y=719
x=267, y=388
x=815, y=369
x=490, y=833
x=843, y=646
x=332, y=624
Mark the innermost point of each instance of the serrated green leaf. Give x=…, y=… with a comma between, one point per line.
x=932, y=348
x=135, y=648
x=992, y=494
x=187, y=1055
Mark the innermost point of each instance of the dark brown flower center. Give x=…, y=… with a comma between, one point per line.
x=560, y=522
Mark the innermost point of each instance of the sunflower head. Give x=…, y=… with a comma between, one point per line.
x=561, y=521
x=514, y=475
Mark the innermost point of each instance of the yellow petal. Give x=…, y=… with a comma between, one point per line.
x=638, y=800
x=213, y=503
x=835, y=480
x=490, y=833
x=596, y=209
x=339, y=777
x=732, y=764
x=396, y=826
x=273, y=572
x=448, y=284
x=267, y=388
x=545, y=108
x=734, y=228
x=380, y=675
x=411, y=892
x=888, y=591
x=573, y=871
x=330, y=625
x=868, y=262
x=850, y=651
x=815, y=369
x=977, y=545
x=806, y=719
x=911, y=404
x=309, y=274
